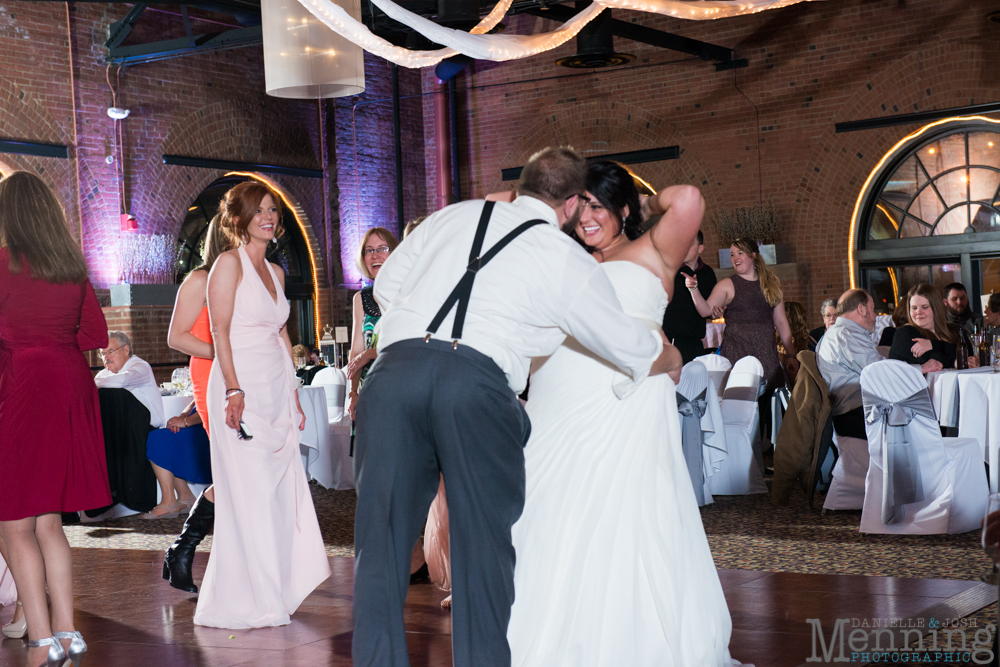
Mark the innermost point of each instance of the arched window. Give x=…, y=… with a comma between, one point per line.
x=930, y=212
x=291, y=252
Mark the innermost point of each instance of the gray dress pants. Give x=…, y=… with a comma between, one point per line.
x=425, y=408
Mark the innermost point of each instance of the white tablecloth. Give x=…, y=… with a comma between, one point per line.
x=944, y=389
x=713, y=334
x=173, y=406
x=979, y=397
x=966, y=399
x=325, y=446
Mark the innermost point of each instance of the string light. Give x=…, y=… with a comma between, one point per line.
x=305, y=236
x=481, y=46
x=885, y=158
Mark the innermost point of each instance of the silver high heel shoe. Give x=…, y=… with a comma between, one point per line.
x=77, y=647
x=57, y=654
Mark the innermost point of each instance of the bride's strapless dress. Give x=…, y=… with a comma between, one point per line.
x=613, y=566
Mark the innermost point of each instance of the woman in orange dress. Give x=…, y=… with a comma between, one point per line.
x=191, y=334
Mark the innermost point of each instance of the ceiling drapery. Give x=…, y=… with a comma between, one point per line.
x=480, y=46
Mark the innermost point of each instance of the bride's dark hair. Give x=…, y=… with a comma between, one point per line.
x=614, y=187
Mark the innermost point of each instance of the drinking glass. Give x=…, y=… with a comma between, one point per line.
x=996, y=354
x=991, y=536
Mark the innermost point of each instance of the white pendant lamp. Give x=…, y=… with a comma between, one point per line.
x=303, y=58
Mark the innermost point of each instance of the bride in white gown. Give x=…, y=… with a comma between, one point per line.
x=613, y=566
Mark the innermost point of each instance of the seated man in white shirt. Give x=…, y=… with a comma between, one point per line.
x=124, y=370
x=843, y=352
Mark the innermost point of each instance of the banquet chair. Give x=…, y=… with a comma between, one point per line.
x=742, y=472
x=335, y=384
x=718, y=369
x=847, y=488
x=917, y=482
x=692, y=404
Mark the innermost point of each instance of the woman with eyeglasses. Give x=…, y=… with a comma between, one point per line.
x=375, y=248
x=51, y=443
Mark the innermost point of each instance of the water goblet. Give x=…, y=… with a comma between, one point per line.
x=991, y=536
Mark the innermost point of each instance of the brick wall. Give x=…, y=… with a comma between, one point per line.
x=147, y=326
x=810, y=66
x=208, y=105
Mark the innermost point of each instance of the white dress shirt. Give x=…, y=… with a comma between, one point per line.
x=843, y=352
x=136, y=376
x=536, y=291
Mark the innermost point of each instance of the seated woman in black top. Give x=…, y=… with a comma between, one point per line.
x=926, y=339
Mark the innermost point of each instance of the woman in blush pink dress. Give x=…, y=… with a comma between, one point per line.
x=268, y=553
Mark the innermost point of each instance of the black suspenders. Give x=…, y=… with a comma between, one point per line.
x=463, y=290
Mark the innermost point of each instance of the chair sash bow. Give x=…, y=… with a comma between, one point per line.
x=693, y=439
x=901, y=483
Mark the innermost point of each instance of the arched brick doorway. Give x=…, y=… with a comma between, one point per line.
x=295, y=251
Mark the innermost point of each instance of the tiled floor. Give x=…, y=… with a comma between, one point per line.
x=131, y=617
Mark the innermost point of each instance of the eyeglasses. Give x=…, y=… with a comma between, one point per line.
x=105, y=355
x=382, y=250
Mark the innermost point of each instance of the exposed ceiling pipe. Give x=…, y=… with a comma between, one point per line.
x=76, y=143
x=595, y=44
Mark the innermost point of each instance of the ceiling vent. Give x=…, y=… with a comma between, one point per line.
x=595, y=45
x=458, y=14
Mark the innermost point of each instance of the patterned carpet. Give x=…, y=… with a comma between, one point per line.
x=335, y=510
x=745, y=532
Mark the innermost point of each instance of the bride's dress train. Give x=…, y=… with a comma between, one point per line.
x=613, y=566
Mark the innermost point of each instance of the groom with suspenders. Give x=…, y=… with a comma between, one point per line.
x=466, y=307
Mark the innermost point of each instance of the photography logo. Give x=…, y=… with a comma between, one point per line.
x=913, y=640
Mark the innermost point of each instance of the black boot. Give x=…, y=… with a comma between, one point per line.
x=178, y=560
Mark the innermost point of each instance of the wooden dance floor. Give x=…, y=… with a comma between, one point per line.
x=131, y=617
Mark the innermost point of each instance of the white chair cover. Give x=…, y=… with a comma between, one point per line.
x=335, y=384
x=715, y=450
x=917, y=482
x=847, y=488
x=742, y=471
x=718, y=369
x=695, y=412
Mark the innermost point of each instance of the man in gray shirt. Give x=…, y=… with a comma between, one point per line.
x=843, y=352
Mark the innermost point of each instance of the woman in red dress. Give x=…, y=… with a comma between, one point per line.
x=51, y=442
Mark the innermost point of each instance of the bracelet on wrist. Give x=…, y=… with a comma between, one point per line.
x=233, y=392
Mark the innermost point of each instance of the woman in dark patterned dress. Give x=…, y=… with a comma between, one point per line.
x=752, y=302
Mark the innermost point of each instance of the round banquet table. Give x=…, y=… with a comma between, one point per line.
x=174, y=405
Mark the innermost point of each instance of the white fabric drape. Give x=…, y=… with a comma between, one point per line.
x=480, y=46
